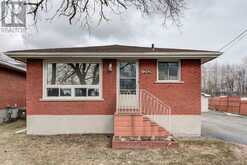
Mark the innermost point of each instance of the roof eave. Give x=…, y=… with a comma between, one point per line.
x=150, y=55
x=12, y=67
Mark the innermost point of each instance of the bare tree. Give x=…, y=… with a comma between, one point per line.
x=210, y=78
x=85, y=10
x=229, y=80
x=240, y=80
x=54, y=72
x=225, y=79
x=74, y=73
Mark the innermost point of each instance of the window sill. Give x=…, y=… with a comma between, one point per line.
x=170, y=82
x=70, y=99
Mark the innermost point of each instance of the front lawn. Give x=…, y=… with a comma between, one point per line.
x=96, y=149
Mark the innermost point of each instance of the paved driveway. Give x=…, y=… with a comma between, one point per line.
x=222, y=126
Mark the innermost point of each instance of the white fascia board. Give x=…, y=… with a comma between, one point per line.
x=204, y=56
x=113, y=54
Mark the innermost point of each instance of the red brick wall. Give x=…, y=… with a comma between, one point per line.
x=12, y=88
x=232, y=104
x=243, y=107
x=34, y=94
x=184, y=98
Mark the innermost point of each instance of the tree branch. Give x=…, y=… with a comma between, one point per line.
x=85, y=10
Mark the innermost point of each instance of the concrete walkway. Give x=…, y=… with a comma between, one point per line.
x=225, y=127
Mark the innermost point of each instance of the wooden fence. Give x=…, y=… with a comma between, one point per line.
x=231, y=104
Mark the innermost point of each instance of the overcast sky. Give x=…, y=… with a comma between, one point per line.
x=206, y=24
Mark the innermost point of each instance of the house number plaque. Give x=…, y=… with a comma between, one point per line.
x=146, y=71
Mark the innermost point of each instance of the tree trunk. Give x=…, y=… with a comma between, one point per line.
x=95, y=72
x=54, y=70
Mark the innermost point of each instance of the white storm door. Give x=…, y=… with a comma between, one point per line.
x=128, y=84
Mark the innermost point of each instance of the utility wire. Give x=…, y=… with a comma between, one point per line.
x=237, y=38
x=230, y=46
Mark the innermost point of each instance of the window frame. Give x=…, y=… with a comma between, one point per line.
x=168, y=81
x=72, y=87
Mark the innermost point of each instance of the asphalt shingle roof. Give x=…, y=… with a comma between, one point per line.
x=109, y=48
x=10, y=63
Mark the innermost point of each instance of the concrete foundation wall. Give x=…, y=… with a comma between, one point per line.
x=69, y=124
x=182, y=125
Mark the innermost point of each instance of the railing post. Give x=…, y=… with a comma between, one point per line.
x=117, y=105
x=169, y=119
x=140, y=101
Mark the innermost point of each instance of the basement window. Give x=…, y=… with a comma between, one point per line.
x=75, y=80
x=168, y=71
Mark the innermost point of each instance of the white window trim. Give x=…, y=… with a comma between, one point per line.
x=71, y=98
x=168, y=81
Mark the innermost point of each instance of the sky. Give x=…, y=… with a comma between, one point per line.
x=206, y=25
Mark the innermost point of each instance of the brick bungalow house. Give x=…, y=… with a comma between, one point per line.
x=125, y=90
x=12, y=85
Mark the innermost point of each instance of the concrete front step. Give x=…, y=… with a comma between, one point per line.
x=137, y=125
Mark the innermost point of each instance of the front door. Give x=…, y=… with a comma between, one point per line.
x=128, y=85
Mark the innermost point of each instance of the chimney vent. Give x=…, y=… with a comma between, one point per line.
x=153, y=47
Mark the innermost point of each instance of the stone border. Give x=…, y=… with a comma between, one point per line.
x=142, y=144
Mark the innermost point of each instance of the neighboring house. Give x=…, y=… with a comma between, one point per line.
x=125, y=90
x=12, y=85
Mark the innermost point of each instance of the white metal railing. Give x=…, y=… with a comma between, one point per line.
x=145, y=103
x=127, y=102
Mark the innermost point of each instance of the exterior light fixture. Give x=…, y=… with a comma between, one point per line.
x=110, y=67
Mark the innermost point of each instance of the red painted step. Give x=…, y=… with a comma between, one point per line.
x=137, y=125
